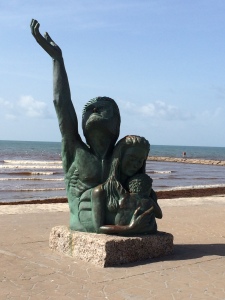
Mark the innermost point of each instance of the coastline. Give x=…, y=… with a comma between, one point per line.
x=179, y=192
x=171, y=193
x=190, y=192
x=187, y=160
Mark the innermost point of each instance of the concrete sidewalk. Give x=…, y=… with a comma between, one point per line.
x=196, y=270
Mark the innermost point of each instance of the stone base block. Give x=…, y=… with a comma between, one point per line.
x=109, y=250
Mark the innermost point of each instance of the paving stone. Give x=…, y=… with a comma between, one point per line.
x=196, y=269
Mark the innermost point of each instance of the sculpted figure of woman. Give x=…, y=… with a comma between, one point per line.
x=127, y=211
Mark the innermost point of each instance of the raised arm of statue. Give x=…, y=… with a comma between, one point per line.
x=62, y=99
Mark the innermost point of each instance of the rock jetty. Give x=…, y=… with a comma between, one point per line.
x=187, y=160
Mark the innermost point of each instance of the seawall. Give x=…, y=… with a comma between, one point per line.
x=187, y=160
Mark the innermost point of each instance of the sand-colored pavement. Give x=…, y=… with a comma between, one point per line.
x=196, y=269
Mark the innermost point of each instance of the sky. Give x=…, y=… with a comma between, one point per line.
x=162, y=61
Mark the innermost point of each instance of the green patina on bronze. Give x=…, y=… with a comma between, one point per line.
x=107, y=188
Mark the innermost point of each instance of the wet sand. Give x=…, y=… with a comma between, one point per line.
x=189, y=193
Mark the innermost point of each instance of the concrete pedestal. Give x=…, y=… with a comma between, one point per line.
x=109, y=250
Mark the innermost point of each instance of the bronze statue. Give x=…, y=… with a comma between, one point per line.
x=90, y=166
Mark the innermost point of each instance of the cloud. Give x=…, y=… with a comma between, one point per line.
x=206, y=115
x=33, y=108
x=26, y=106
x=5, y=104
x=10, y=117
x=6, y=109
x=157, y=110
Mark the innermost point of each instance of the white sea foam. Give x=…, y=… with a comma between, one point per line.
x=32, y=178
x=39, y=190
x=42, y=173
x=16, y=166
x=35, y=162
x=32, y=164
x=162, y=172
x=182, y=188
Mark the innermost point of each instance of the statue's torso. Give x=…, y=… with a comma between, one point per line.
x=86, y=172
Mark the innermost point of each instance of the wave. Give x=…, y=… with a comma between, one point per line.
x=42, y=173
x=35, y=201
x=16, y=166
x=161, y=172
x=31, y=173
x=25, y=178
x=180, y=188
x=33, y=190
x=203, y=178
x=24, y=162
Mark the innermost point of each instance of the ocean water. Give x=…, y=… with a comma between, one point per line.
x=214, y=153
x=33, y=170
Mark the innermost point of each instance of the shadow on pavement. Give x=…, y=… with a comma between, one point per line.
x=191, y=251
x=184, y=252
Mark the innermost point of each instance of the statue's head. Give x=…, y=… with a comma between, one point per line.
x=130, y=155
x=101, y=113
x=129, y=159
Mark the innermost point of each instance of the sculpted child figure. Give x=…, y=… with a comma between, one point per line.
x=139, y=187
x=126, y=213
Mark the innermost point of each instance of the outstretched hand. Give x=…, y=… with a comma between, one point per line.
x=139, y=224
x=45, y=41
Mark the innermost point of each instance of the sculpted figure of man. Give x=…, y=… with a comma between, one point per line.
x=85, y=166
